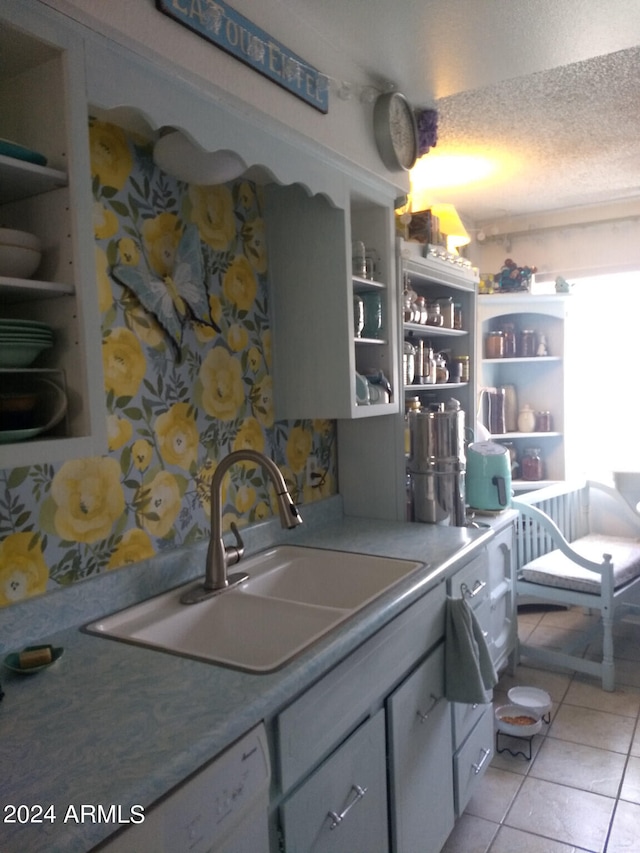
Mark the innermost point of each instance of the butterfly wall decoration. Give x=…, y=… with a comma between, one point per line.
x=172, y=299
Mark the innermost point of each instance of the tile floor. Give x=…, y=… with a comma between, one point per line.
x=581, y=789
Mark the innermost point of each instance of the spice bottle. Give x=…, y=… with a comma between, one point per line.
x=531, y=464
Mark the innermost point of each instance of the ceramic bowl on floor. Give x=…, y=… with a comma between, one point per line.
x=518, y=721
x=531, y=698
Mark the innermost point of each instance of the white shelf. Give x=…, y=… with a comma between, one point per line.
x=20, y=179
x=507, y=435
x=534, y=359
x=23, y=289
x=427, y=331
x=437, y=386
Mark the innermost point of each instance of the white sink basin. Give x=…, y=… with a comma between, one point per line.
x=294, y=596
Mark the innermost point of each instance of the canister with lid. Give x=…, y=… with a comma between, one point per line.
x=531, y=464
x=528, y=343
x=495, y=344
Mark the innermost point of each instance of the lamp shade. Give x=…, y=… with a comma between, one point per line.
x=177, y=155
x=451, y=225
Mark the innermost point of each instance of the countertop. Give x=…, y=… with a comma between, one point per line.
x=116, y=724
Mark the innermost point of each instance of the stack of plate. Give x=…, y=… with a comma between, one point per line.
x=22, y=341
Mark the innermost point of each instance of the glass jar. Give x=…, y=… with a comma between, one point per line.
x=359, y=258
x=526, y=419
x=445, y=304
x=543, y=421
x=358, y=315
x=457, y=315
x=408, y=299
x=420, y=309
x=434, y=315
x=531, y=464
x=442, y=371
x=428, y=366
x=495, y=345
x=509, y=338
x=463, y=361
x=528, y=343
x=372, y=315
x=408, y=362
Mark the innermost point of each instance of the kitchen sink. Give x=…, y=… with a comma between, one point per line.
x=293, y=597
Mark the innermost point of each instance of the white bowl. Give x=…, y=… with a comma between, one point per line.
x=533, y=698
x=20, y=253
x=507, y=715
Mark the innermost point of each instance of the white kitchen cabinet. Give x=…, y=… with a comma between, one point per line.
x=43, y=107
x=317, y=352
x=320, y=739
x=538, y=380
x=342, y=806
x=420, y=749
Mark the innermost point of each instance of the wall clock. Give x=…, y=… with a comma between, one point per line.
x=395, y=130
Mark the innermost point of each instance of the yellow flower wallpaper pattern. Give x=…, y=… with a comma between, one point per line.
x=172, y=411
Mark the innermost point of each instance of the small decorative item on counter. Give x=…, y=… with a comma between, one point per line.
x=495, y=345
x=359, y=258
x=543, y=422
x=358, y=315
x=509, y=336
x=513, y=278
x=434, y=315
x=457, y=315
x=526, y=419
x=463, y=361
x=32, y=659
x=562, y=285
x=531, y=464
x=408, y=362
x=528, y=344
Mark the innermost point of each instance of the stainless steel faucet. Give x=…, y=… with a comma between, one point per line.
x=221, y=556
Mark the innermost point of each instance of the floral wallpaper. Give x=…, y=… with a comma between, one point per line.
x=187, y=380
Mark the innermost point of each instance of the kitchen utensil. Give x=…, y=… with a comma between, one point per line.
x=488, y=481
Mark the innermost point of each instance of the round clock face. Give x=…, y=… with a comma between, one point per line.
x=395, y=131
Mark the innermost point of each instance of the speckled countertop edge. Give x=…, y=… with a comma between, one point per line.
x=112, y=723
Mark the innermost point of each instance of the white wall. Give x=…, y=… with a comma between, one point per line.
x=346, y=129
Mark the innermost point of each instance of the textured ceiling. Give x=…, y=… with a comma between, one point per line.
x=549, y=90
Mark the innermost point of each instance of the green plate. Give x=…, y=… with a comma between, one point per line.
x=11, y=661
x=19, y=152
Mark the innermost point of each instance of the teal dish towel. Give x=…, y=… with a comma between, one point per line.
x=469, y=670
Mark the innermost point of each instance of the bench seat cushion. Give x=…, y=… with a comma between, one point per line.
x=556, y=569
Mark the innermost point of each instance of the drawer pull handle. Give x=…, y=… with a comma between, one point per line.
x=424, y=717
x=478, y=767
x=471, y=593
x=338, y=818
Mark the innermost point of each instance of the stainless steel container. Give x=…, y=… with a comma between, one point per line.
x=437, y=466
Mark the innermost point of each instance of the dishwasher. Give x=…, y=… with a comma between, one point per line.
x=222, y=808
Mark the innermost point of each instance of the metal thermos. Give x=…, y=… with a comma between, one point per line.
x=437, y=465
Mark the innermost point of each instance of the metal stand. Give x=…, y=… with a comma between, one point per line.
x=527, y=738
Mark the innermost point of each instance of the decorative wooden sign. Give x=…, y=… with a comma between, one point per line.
x=219, y=24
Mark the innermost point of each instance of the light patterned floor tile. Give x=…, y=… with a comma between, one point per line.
x=631, y=784
x=562, y=814
x=510, y=840
x=593, y=728
x=495, y=795
x=588, y=693
x=625, y=837
x=579, y=766
x=470, y=835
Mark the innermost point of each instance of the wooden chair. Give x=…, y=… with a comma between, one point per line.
x=579, y=545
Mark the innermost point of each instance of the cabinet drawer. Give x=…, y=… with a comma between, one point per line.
x=472, y=581
x=312, y=725
x=465, y=717
x=421, y=775
x=343, y=805
x=472, y=759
